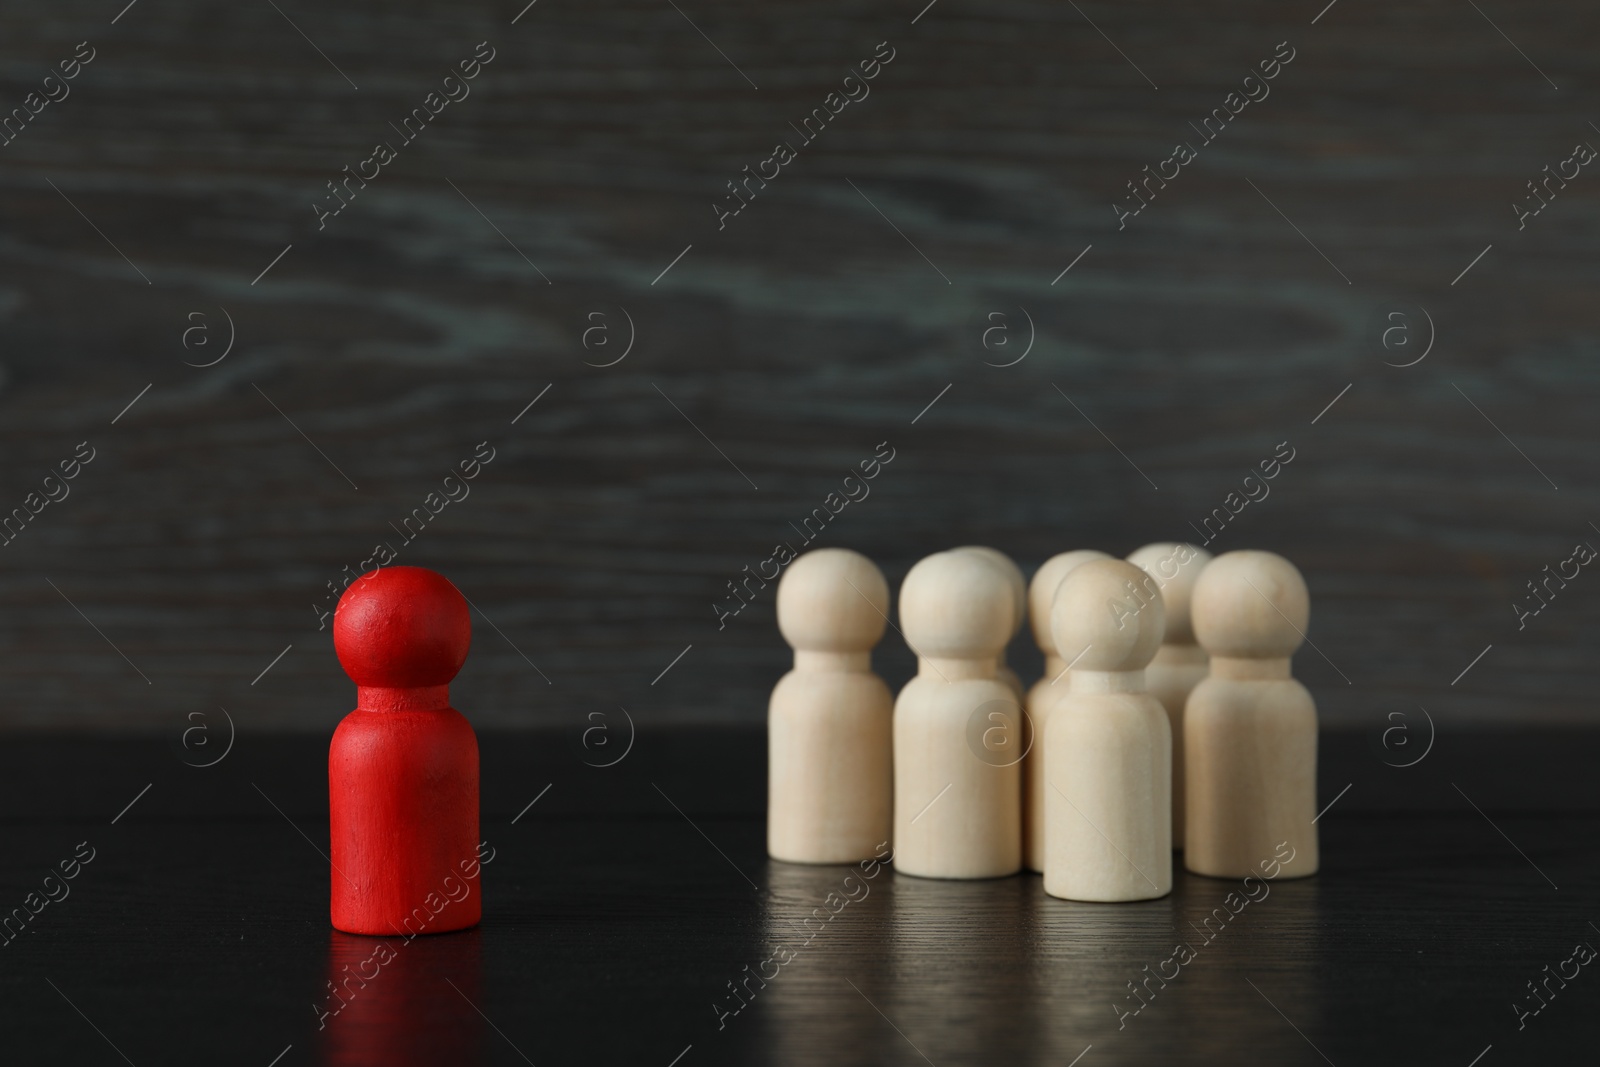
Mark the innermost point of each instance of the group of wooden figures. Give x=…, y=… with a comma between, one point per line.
x=1166, y=719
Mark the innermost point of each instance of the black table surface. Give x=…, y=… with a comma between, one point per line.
x=625, y=904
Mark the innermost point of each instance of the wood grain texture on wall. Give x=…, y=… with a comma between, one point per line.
x=877, y=274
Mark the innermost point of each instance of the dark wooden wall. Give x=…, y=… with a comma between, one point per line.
x=796, y=339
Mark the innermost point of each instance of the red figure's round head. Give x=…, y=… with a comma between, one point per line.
x=402, y=628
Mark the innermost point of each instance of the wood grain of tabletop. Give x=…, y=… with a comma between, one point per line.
x=631, y=916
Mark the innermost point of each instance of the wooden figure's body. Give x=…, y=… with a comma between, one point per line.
x=403, y=767
x=1252, y=751
x=1250, y=729
x=1170, y=678
x=958, y=733
x=1180, y=663
x=1111, y=754
x=830, y=720
x=403, y=814
x=1012, y=681
x=1108, y=744
x=1046, y=692
x=956, y=815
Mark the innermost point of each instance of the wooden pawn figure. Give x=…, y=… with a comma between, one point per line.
x=830, y=720
x=1019, y=591
x=957, y=727
x=1044, y=694
x=1108, y=745
x=1180, y=663
x=403, y=767
x=1250, y=729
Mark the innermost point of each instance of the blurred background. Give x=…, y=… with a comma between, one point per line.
x=1354, y=267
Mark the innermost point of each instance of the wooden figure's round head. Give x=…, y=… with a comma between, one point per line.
x=1251, y=605
x=957, y=605
x=1175, y=567
x=402, y=628
x=833, y=600
x=1019, y=584
x=1042, y=592
x=1108, y=616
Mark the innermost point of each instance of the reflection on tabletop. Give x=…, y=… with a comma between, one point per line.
x=402, y=1003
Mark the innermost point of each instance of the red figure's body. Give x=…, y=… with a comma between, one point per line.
x=403, y=767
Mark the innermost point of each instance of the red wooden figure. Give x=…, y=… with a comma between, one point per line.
x=403, y=767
